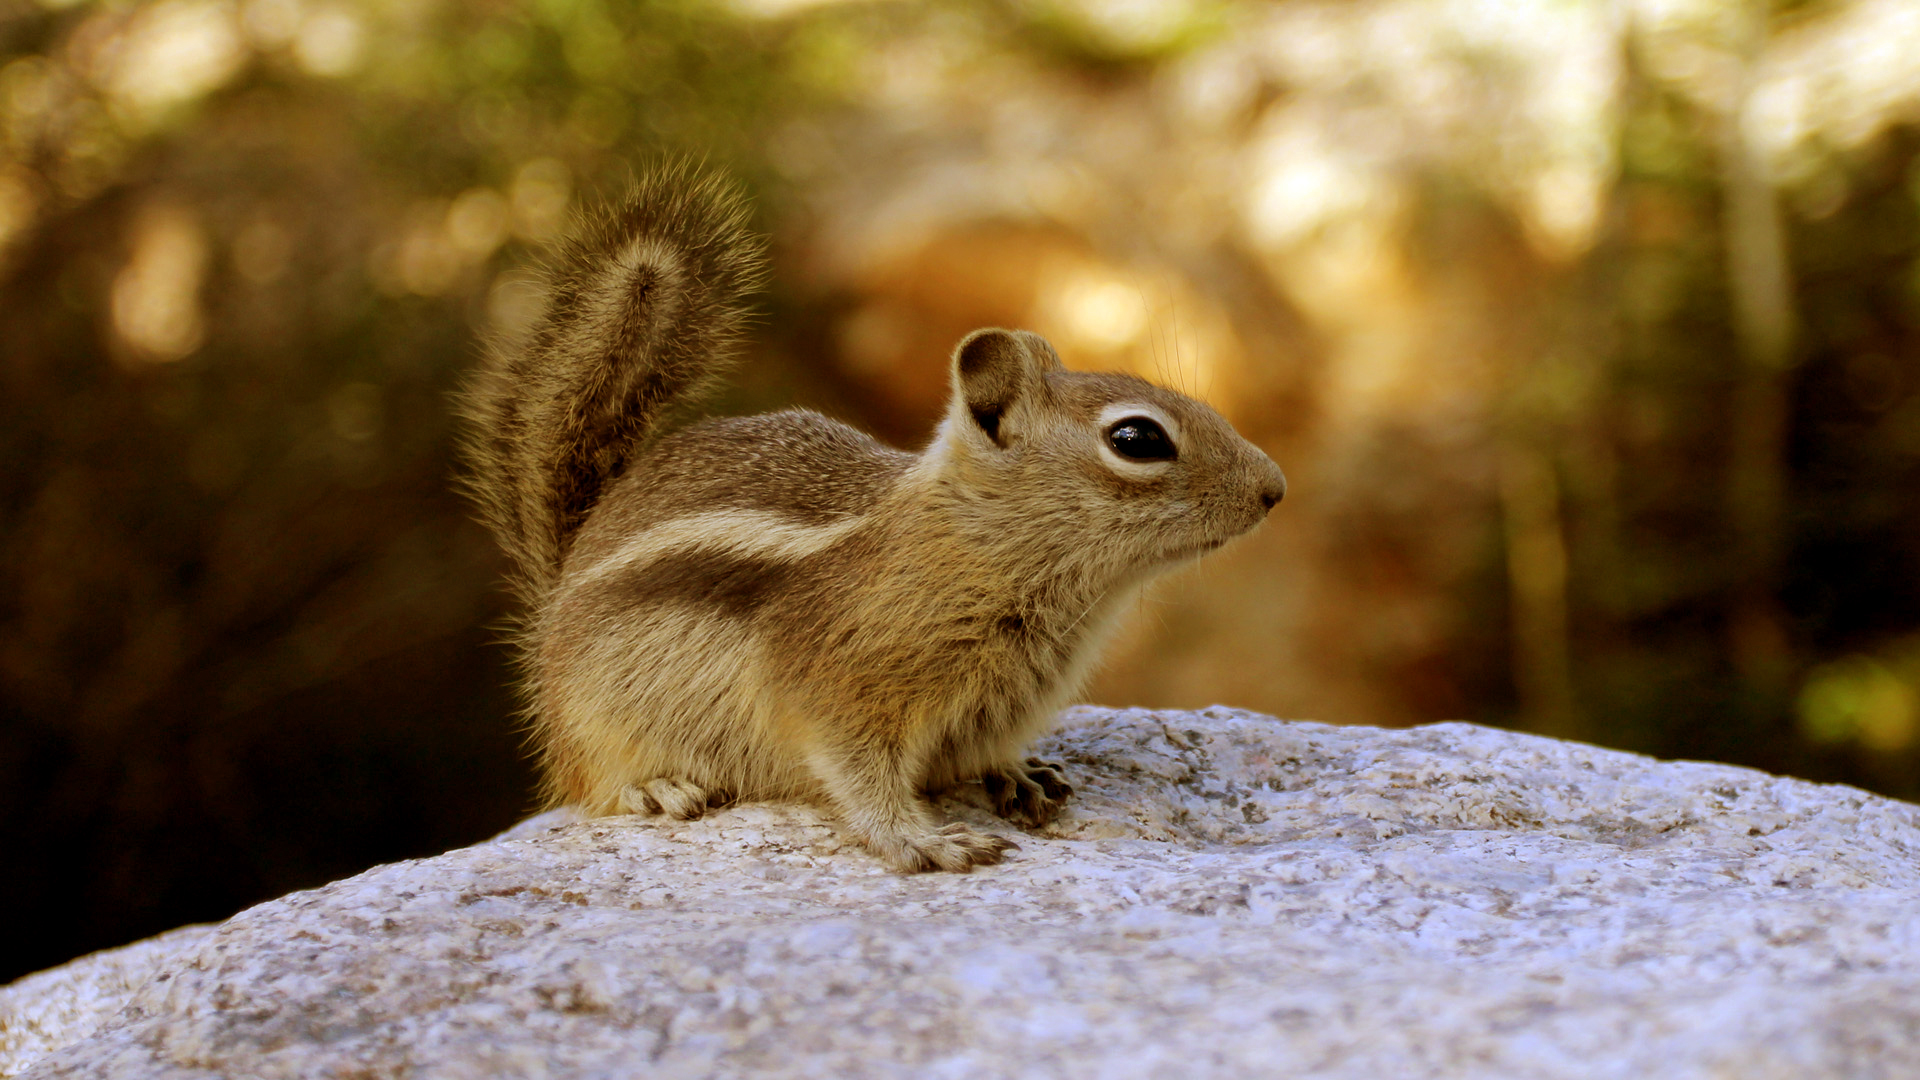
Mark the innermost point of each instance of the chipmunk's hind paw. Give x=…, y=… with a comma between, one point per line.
x=681, y=799
x=1034, y=792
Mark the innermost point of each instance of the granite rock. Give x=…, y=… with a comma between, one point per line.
x=1229, y=895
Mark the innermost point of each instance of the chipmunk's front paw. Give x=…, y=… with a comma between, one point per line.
x=682, y=799
x=1034, y=792
x=956, y=847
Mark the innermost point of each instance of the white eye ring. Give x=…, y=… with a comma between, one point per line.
x=1128, y=467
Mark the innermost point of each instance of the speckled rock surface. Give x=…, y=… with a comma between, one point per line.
x=43, y=1012
x=1230, y=895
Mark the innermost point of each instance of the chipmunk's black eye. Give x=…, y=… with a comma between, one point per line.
x=1140, y=439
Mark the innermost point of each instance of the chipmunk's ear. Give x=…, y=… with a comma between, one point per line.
x=993, y=370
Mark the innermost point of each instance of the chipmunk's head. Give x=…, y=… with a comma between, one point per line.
x=1111, y=461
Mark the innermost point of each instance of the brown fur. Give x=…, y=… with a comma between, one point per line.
x=644, y=310
x=778, y=606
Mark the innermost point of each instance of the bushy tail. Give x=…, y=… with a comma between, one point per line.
x=645, y=309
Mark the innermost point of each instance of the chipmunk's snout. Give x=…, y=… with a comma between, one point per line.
x=1273, y=487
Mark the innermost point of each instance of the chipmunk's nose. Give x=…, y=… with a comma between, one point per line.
x=1274, y=487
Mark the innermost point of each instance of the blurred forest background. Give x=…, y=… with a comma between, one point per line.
x=1587, y=332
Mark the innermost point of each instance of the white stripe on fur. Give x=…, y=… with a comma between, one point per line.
x=764, y=535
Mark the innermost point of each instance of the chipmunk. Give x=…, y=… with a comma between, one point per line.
x=781, y=607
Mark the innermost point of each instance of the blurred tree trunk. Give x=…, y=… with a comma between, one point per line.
x=1548, y=384
x=1763, y=324
x=1537, y=580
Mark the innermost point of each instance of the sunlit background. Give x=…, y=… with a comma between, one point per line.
x=1588, y=334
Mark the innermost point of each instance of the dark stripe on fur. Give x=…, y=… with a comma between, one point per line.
x=729, y=584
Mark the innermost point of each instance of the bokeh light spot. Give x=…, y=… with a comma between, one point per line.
x=172, y=52
x=1860, y=699
x=330, y=42
x=156, y=295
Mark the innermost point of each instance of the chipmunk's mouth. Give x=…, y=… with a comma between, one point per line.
x=1194, y=551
